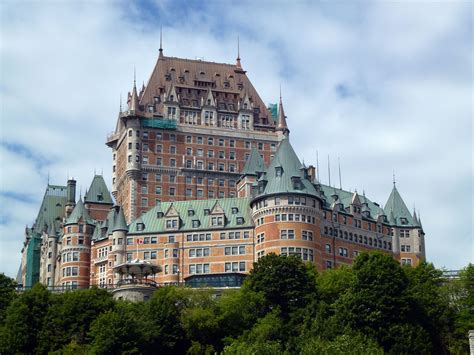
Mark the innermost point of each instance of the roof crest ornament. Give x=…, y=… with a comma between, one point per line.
x=394, y=182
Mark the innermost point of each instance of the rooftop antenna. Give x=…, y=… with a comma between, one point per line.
x=329, y=171
x=134, y=76
x=161, y=42
x=48, y=177
x=317, y=164
x=339, y=164
x=120, y=102
x=238, y=53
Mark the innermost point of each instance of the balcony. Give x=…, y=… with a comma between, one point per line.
x=158, y=123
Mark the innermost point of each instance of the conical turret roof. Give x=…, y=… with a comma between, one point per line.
x=120, y=224
x=396, y=207
x=79, y=212
x=284, y=171
x=254, y=164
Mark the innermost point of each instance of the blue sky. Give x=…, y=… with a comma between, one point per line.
x=385, y=86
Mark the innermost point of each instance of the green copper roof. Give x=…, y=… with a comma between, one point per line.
x=52, y=207
x=254, y=163
x=397, y=207
x=98, y=192
x=120, y=224
x=197, y=210
x=345, y=197
x=79, y=212
x=282, y=172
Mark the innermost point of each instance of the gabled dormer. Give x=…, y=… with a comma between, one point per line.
x=217, y=215
x=209, y=101
x=171, y=104
x=172, y=219
x=356, y=204
x=245, y=118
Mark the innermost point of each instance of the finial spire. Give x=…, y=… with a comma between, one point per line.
x=394, y=182
x=134, y=76
x=238, y=65
x=161, y=42
x=120, y=102
x=281, y=122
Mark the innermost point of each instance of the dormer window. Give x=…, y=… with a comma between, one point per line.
x=278, y=171
x=217, y=221
x=140, y=226
x=196, y=223
x=240, y=220
x=403, y=221
x=296, y=183
x=191, y=213
x=159, y=215
x=172, y=223
x=100, y=197
x=235, y=210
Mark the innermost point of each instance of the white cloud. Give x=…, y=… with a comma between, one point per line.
x=407, y=67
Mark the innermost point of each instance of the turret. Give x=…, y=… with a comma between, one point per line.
x=119, y=233
x=253, y=169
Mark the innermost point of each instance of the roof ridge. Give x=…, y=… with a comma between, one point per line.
x=199, y=61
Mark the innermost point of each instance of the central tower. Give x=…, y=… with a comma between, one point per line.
x=187, y=134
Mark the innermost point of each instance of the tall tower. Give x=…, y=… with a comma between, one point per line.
x=407, y=233
x=187, y=134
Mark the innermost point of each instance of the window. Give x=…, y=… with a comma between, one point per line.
x=80, y=240
x=406, y=261
x=343, y=252
x=307, y=235
x=287, y=234
x=172, y=149
x=328, y=264
x=172, y=191
x=234, y=267
x=171, y=223
x=405, y=248
x=260, y=238
x=328, y=248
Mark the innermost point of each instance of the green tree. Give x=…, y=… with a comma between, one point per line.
x=353, y=343
x=70, y=315
x=24, y=319
x=7, y=294
x=429, y=306
x=164, y=332
x=377, y=304
x=285, y=282
x=119, y=331
x=461, y=296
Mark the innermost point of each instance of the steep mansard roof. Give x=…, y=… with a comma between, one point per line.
x=52, y=208
x=254, y=164
x=199, y=210
x=98, y=192
x=398, y=212
x=120, y=224
x=79, y=213
x=282, y=172
x=228, y=79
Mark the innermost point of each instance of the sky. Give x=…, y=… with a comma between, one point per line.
x=386, y=87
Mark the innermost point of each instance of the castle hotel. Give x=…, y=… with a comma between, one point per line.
x=205, y=182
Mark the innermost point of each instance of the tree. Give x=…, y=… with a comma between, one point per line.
x=119, y=331
x=430, y=308
x=285, y=283
x=461, y=296
x=24, y=319
x=70, y=315
x=7, y=294
x=377, y=304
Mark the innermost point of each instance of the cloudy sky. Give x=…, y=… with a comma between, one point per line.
x=385, y=86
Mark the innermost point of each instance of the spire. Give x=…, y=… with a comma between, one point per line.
x=238, y=64
x=133, y=104
x=415, y=217
x=281, y=121
x=161, y=43
x=120, y=102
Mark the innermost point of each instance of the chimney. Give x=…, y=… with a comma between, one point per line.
x=71, y=196
x=312, y=173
